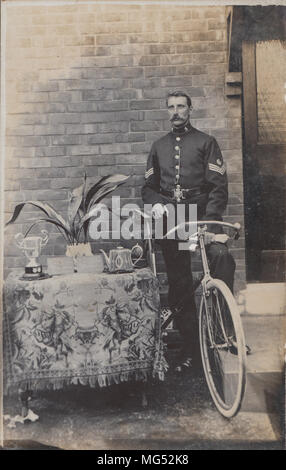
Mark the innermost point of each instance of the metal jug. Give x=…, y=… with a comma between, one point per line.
x=120, y=259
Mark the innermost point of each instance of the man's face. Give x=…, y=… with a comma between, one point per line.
x=179, y=111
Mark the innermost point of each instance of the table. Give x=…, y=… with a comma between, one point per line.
x=89, y=329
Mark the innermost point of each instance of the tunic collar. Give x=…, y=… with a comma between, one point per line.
x=182, y=130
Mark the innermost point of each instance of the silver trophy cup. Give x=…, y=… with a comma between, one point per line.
x=32, y=246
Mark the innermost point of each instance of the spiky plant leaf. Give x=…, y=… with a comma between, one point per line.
x=104, y=187
x=54, y=222
x=101, y=193
x=110, y=179
x=92, y=213
x=46, y=208
x=92, y=190
x=75, y=201
x=80, y=207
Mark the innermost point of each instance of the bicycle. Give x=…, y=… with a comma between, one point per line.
x=222, y=342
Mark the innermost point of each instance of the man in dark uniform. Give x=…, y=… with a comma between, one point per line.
x=186, y=167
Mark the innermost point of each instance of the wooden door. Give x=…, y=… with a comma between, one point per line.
x=264, y=112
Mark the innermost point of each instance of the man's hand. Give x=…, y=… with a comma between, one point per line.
x=209, y=238
x=212, y=237
x=221, y=238
x=158, y=210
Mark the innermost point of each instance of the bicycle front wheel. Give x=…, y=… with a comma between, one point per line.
x=222, y=348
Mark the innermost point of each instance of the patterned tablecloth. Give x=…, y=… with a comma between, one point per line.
x=92, y=329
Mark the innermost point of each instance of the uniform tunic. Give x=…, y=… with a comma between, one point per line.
x=191, y=160
x=188, y=159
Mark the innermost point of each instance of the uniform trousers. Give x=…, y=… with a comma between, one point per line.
x=181, y=294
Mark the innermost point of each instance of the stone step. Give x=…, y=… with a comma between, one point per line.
x=265, y=334
x=264, y=385
x=263, y=299
x=264, y=392
x=256, y=299
x=262, y=309
x=265, y=378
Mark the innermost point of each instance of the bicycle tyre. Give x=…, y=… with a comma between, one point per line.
x=223, y=362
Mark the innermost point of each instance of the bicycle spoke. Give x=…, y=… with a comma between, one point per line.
x=221, y=352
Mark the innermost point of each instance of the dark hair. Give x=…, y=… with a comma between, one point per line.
x=179, y=93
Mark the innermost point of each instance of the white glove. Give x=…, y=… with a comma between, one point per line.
x=212, y=237
x=221, y=238
x=209, y=238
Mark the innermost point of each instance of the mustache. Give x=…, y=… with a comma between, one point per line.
x=175, y=118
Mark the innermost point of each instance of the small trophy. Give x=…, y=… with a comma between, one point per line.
x=32, y=248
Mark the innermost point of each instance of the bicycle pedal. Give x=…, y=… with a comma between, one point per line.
x=233, y=350
x=184, y=366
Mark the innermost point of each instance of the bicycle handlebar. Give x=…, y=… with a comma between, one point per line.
x=235, y=226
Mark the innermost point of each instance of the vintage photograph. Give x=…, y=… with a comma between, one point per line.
x=143, y=199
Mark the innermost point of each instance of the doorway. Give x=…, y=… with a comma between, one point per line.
x=264, y=112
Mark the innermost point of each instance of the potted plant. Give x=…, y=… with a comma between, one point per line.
x=83, y=204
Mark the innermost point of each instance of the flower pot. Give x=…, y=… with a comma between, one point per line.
x=81, y=249
x=83, y=259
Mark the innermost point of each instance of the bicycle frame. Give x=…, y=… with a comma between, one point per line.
x=204, y=282
x=213, y=328
x=206, y=269
x=200, y=234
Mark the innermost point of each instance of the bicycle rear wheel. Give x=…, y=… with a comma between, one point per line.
x=222, y=348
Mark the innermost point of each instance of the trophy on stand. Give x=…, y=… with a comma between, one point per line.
x=32, y=248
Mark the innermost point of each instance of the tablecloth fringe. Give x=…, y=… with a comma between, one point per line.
x=102, y=380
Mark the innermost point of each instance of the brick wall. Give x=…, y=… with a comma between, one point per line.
x=85, y=91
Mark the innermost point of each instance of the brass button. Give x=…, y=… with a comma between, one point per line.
x=178, y=139
x=177, y=157
x=177, y=147
x=177, y=167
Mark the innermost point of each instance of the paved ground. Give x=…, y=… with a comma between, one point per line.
x=180, y=415
x=267, y=335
